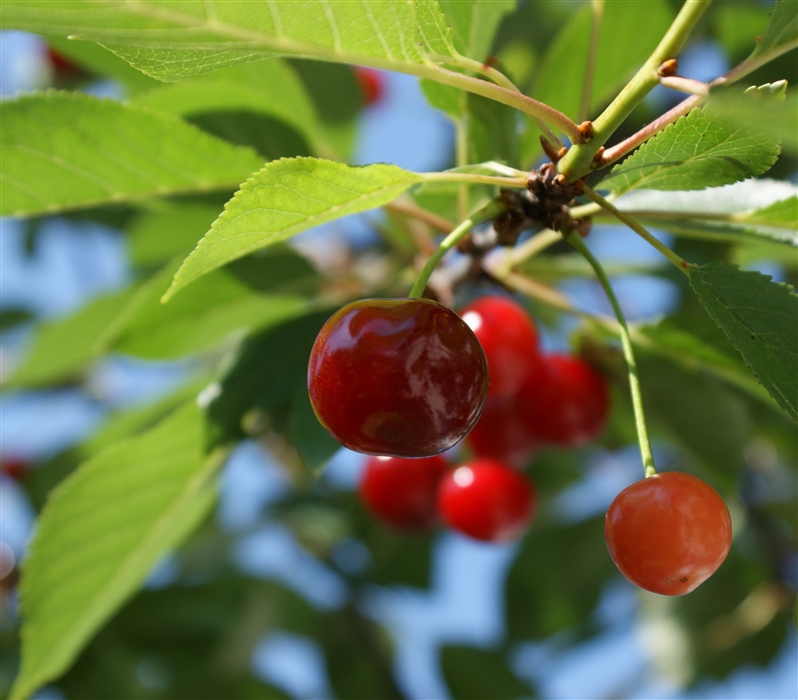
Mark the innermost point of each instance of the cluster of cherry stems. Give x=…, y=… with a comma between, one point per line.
x=404, y=380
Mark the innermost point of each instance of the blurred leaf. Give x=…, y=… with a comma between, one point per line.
x=312, y=442
x=699, y=150
x=738, y=26
x=101, y=533
x=773, y=119
x=337, y=97
x=171, y=228
x=781, y=31
x=70, y=150
x=270, y=369
x=547, y=592
x=170, y=39
x=358, y=656
x=474, y=24
x=100, y=61
x=11, y=317
x=629, y=33
x=668, y=340
x=62, y=348
x=220, y=306
x=760, y=318
x=478, y=674
x=699, y=412
x=270, y=88
x=285, y=197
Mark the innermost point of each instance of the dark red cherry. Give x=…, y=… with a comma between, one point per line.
x=502, y=434
x=486, y=500
x=510, y=341
x=402, y=492
x=668, y=533
x=372, y=84
x=397, y=377
x=15, y=467
x=566, y=403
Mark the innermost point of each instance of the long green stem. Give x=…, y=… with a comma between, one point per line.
x=489, y=211
x=575, y=240
x=638, y=229
x=578, y=161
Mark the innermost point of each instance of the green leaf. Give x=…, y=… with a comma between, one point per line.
x=100, y=61
x=285, y=197
x=168, y=229
x=699, y=150
x=760, y=318
x=266, y=87
x=679, y=345
x=474, y=24
x=265, y=380
x=63, y=347
x=630, y=32
x=782, y=29
x=255, y=293
x=478, y=674
x=101, y=533
x=172, y=39
x=69, y=150
x=699, y=412
x=571, y=586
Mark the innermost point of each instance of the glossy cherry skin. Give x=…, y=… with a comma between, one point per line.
x=566, y=403
x=510, y=341
x=501, y=433
x=397, y=377
x=486, y=500
x=403, y=492
x=668, y=533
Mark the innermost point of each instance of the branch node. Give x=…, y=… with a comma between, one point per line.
x=668, y=68
x=586, y=131
x=598, y=159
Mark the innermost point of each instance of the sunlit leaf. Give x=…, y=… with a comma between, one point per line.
x=697, y=151
x=69, y=150
x=285, y=197
x=101, y=533
x=171, y=39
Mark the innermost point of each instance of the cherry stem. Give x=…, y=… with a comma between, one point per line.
x=576, y=242
x=490, y=211
x=638, y=229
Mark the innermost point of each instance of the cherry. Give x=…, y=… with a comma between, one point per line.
x=372, y=84
x=566, y=402
x=15, y=467
x=510, y=341
x=502, y=434
x=486, y=500
x=397, y=377
x=668, y=533
x=402, y=492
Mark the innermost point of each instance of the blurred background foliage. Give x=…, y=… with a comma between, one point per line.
x=289, y=589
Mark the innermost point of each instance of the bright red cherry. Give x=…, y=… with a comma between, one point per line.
x=502, y=434
x=509, y=338
x=486, y=500
x=397, y=377
x=668, y=533
x=403, y=492
x=566, y=403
